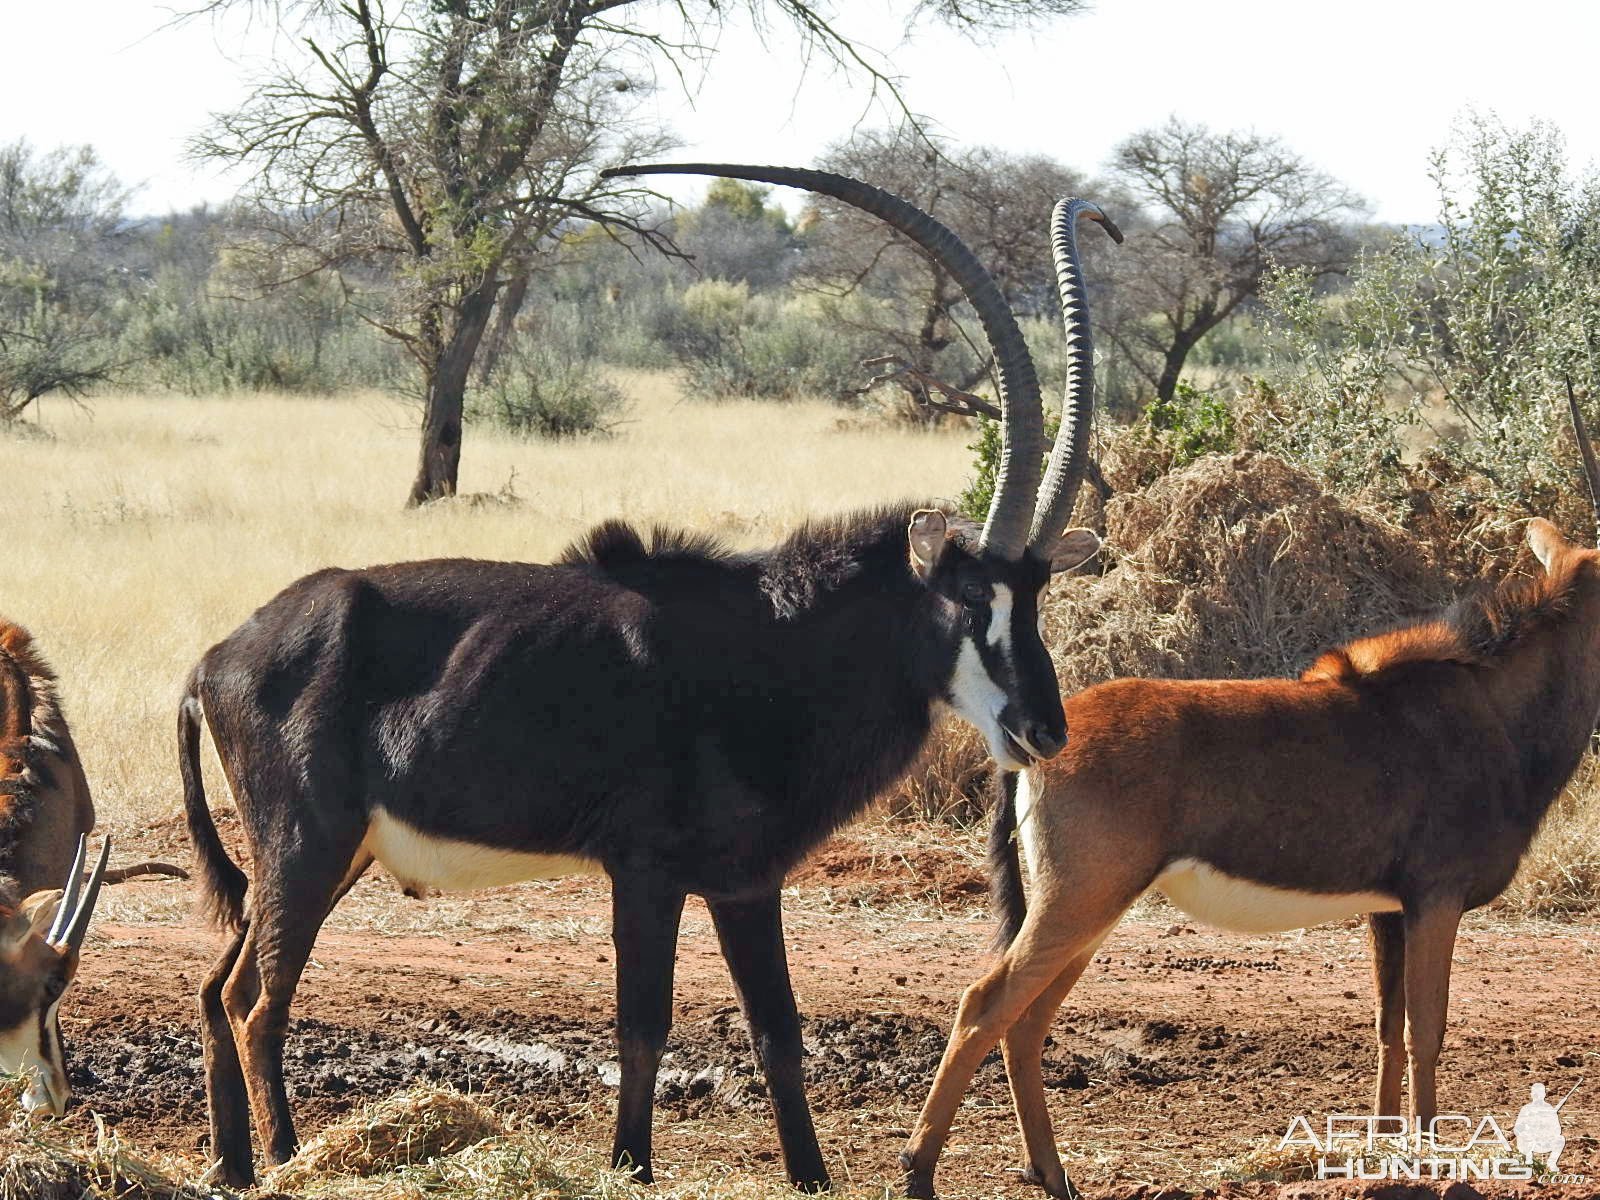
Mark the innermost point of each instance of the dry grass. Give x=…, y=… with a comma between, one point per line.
x=40, y=1163
x=139, y=535
x=405, y=1130
x=425, y=1144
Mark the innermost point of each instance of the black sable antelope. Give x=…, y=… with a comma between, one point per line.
x=681, y=718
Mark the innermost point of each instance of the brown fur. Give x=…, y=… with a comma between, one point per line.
x=1473, y=630
x=44, y=796
x=1415, y=765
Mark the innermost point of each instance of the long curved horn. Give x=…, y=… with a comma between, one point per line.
x=1021, y=416
x=69, y=895
x=75, y=932
x=1059, y=490
x=1585, y=448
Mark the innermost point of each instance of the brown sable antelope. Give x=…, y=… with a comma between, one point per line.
x=684, y=719
x=45, y=815
x=1402, y=777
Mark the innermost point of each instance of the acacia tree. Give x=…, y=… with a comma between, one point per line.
x=60, y=214
x=998, y=203
x=458, y=138
x=1222, y=210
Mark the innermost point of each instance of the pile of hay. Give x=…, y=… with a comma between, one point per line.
x=1236, y=566
x=408, y=1129
x=38, y=1161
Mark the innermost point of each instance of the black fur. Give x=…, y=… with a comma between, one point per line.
x=691, y=720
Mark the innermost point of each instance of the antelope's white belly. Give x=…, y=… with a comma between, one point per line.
x=1228, y=902
x=420, y=860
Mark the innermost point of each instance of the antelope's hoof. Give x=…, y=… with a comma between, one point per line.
x=812, y=1186
x=1064, y=1191
x=918, y=1185
x=236, y=1178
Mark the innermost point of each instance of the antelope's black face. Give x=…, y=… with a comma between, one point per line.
x=1001, y=677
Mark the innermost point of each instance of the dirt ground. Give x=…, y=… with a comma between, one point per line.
x=1180, y=1051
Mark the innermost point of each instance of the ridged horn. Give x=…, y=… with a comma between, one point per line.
x=1005, y=531
x=1586, y=448
x=1059, y=490
x=69, y=894
x=74, y=934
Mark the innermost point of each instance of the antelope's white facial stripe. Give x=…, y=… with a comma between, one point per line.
x=1229, y=902
x=973, y=692
x=421, y=860
x=1000, y=620
x=43, y=1065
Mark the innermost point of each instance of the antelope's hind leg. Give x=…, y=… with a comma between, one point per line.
x=293, y=896
x=226, y=1101
x=1386, y=931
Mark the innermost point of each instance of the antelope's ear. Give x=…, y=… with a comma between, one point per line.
x=1074, y=548
x=40, y=910
x=1546, y=542
x=926, y=536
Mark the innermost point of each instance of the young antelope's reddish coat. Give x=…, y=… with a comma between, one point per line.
x=1402, y=776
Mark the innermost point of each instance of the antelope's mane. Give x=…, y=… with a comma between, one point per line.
x=1484, y=623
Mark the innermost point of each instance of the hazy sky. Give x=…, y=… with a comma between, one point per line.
x=1363, y=88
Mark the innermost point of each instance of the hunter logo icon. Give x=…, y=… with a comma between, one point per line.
x=1538, y=1127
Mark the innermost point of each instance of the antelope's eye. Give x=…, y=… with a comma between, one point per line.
x=973, y=592
x=53, y=987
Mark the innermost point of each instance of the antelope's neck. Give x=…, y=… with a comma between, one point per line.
x=1552, y=695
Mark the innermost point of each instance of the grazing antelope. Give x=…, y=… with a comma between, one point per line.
x=45, y=814
x=651, y=706
x=1401, y=777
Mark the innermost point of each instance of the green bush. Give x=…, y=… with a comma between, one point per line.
x=1193, y=423
x=1484, y=316
x=732, y=343
x=547, y=388
x=979, y=492
x=199, y=339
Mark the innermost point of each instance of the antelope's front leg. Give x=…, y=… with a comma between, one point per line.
x=751, y=933
x=645, y=912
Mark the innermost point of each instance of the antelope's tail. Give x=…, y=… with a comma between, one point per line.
x=222, y=883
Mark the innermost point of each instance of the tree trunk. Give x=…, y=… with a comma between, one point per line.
x=440, y=458
x=1172, y=363
x=505, y=319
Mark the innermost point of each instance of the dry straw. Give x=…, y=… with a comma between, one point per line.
x=408, y=1129
x=37, y=1162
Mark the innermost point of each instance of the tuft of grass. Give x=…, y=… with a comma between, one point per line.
x=952, y=782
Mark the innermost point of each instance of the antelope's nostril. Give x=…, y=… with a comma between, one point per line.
x=1047, y=741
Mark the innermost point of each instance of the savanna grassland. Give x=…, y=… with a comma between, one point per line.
x=142, y=530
